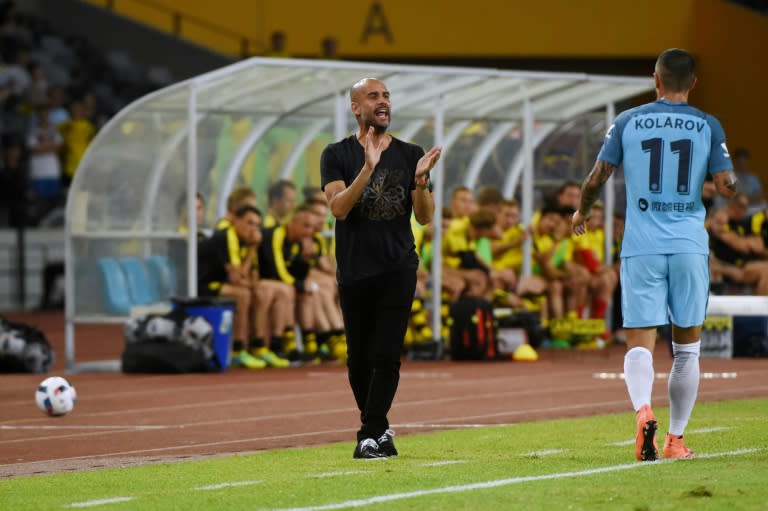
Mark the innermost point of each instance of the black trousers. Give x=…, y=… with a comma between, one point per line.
x=376, y=312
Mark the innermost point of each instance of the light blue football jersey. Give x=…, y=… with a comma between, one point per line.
x=667, y=149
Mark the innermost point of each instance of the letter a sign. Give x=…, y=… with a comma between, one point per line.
x=376, y=23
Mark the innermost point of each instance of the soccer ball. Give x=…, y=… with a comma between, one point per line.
x=55, y=396
x=133, y=330
x=196, y=332
x=160, y=327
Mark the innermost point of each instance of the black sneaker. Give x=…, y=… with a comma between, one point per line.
x=387, y=444
x=368, y=449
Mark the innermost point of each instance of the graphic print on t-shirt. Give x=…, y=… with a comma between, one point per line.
x=384, y=196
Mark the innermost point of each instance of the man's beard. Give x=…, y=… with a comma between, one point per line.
x=378, y=128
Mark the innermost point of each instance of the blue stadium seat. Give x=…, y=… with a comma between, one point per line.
x=116, y=295
x=143, y=290
x=161, y=271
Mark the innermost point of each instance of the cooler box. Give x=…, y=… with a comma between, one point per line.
x=219, y=312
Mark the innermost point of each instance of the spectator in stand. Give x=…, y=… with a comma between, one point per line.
x=17, y=74
x=36, y=92
x=12, y=180
x=282, y=203
x=44, y=143
x=58, y=112
x=329, y=48
x=237, y=198
x=76, y=134
x=748, y=182
x=277, y=45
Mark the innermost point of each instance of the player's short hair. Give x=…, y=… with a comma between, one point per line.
x=238, y=196
x=489, y=196
x=244, y=210
x=482, y=219
x=511, y=203
x=676, y=69
x=460, y=189
x=277, y=190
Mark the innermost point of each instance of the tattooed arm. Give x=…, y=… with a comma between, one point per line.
x=590, y=191
x=725, y=182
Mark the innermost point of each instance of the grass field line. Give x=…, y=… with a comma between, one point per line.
x=545, y=452
x=419, y=425
x=443, y=463
x=100, y=502
x=691, y=431
x=356, y=503
x=220, y=486
x=342, y=473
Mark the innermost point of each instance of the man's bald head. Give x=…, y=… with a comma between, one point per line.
x=361, y=86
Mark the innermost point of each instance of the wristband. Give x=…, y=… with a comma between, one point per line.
x=427, y=185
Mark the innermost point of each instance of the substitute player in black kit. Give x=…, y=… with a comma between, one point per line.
x=374, y=182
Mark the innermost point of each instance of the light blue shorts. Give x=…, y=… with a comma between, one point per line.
x=655, y=288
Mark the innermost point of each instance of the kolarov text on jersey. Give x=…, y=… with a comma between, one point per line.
x=667, y=149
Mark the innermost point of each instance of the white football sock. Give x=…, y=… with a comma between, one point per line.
x=638, y=375
x=683, y=385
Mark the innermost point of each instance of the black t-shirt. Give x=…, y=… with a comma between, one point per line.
x=376, y=236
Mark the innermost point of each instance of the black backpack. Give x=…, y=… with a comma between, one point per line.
x=24, y=349
x=166, y=351
x=473, y=330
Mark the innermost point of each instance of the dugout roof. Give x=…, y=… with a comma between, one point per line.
x=265, y=119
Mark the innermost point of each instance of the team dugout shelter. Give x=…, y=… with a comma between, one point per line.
x=130, y=224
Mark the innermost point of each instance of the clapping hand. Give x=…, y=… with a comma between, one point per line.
x=427, y=162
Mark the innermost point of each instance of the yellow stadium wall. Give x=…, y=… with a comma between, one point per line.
x=729, y=42
x=727, y=39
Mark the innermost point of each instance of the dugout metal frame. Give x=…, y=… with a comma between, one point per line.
x=160, y=148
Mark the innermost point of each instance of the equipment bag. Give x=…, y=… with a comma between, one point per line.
x=473, y=330
x=24, y=349
x=168, y=343
x=515, y=327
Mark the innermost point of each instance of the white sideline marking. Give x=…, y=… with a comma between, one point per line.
x=337, y=474
x=87, y=426
x=226, y=485
x=100, y=502
x=664, y=376
x=497, y=483
x=546, y=452
x=447, y=426
x=441, y=463
x=701, y=430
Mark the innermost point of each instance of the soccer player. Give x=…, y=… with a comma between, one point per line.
x=374, y=182
x=667, y=147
